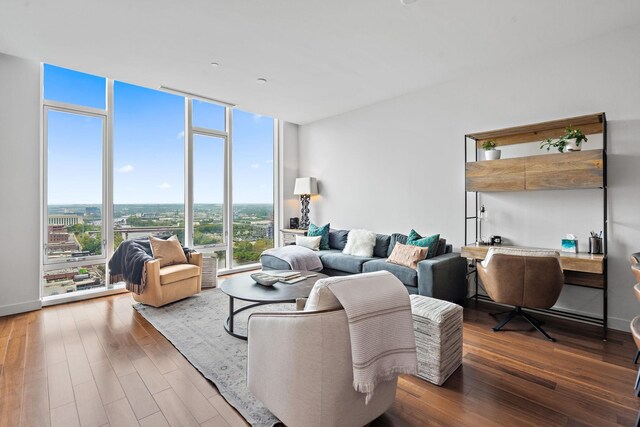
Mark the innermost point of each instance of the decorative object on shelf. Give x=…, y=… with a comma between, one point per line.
x=570, y=244
x=210, y=271
x=571, y=140
x=495, y=240
x=304, y=188
x=595, y=243
x=490, y=151
x=294, y=222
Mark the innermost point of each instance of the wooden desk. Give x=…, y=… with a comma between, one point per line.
x=579, y=269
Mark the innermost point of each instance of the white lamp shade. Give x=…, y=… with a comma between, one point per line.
x=308, y=185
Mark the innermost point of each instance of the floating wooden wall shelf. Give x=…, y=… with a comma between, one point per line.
x=561, y=171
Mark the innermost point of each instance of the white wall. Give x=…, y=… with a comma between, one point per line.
x=19, y=184
x=290, y=205
x=399, y=163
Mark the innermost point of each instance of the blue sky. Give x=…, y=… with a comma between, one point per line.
x=148, y=146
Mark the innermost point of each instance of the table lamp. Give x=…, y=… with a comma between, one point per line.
x=304, y=188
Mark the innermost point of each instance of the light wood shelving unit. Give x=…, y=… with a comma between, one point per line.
x=558, y=171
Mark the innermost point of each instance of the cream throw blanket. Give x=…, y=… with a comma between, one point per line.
x=383, y=344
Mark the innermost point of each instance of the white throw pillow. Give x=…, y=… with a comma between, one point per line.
x=311, y=242
x=360, y=243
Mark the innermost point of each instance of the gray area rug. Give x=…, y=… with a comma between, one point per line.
x=195, y=327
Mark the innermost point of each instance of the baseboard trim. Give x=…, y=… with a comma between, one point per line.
x=22, y=307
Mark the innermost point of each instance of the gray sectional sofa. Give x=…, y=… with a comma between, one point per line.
x=442, y=277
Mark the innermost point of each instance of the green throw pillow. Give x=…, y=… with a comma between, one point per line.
x=430, y=242
x=323, y=231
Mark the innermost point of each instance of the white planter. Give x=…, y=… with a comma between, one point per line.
x=572, y=146
x=492, y=154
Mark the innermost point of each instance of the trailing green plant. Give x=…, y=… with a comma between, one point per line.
x=489, y=145
x=562, y=142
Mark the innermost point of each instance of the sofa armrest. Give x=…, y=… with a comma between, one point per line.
x=443, y=277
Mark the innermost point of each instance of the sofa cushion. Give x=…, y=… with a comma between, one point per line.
x=360, y=243
x=396, y=237
x=442, y=247
x=382, y=245
x=430, y=242
x=177, y=272
x=322, y=253
x=338, y=239
x=322, y=231
x=321, y=298
x=344, y=262
x=408, y=276
x=309, y=242
x=407, y=255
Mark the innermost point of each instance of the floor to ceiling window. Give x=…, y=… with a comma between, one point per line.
x=74, y=117
x=148, y=163
x=253, y=226
x=164, y=164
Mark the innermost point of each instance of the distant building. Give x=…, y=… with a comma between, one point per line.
x=92, y=211
x=60, y=219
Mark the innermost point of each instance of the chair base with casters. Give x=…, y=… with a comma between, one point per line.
x=537, y=324
x=522, y=278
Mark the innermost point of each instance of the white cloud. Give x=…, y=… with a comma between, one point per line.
x=269, y=161
x=255, y=166
x=126, y=169
x=180, y=135
x=257, y=117
x=164, y=186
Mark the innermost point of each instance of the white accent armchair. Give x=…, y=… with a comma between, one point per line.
x=300, y=367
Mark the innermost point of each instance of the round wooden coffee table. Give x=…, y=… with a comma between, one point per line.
x=244, y=288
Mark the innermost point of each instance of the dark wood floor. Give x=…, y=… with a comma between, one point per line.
x=99, y=362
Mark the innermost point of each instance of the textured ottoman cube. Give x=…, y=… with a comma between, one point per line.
x=437, y=326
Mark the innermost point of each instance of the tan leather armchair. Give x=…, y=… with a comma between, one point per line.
x=525, y=279
x=171, y=283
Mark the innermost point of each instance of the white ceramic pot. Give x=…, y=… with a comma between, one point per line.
x=492, y=154
x=572, y=146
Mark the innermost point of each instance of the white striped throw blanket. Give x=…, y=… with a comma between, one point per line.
x=383, y=344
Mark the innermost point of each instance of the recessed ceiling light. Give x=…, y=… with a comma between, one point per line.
x=261, y=81
x=215, y=64
x=406, y=2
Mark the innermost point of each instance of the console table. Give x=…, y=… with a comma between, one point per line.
x=586, y=169
x=289, y=234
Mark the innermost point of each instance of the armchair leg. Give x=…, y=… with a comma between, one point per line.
x=635, y=359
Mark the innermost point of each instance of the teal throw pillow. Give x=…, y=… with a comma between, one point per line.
x=430, y=242
x=323, y=231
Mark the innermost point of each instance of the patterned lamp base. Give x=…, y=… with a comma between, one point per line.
x=304, y=219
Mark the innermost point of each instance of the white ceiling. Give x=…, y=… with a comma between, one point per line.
x=321, y=57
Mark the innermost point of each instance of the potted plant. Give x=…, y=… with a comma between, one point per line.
x=490, y=152
x=571, y=140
